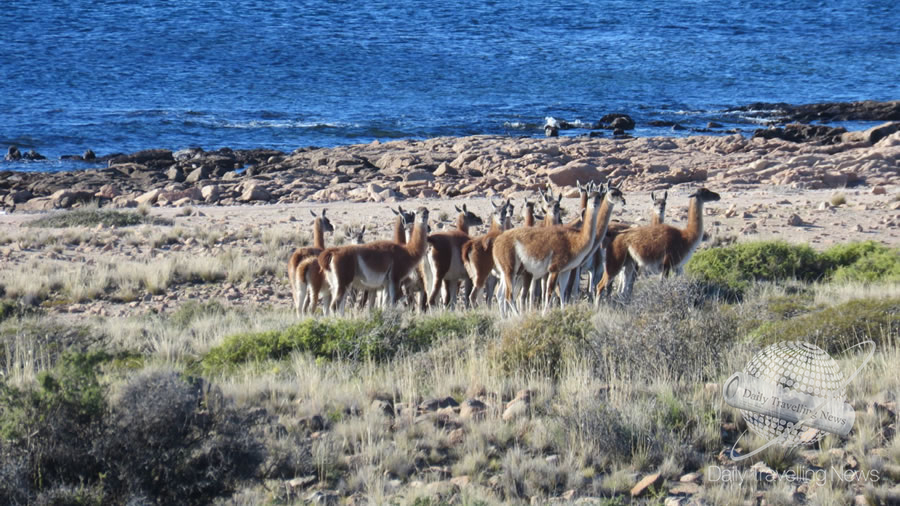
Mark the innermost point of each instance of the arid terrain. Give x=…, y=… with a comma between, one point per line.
x=151, y=340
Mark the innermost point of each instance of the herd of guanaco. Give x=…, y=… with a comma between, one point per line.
x=522, y=267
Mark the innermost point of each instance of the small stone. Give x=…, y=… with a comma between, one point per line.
x=879, y=190
x=795, y=221
x=689, y=478
x=651, y=480
x=859, y=228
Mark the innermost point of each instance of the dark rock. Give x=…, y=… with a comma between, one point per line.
x=713, y=124
x=678, y=127
x=867, y=110
x=661, y=123
x=88, y=156
x=153, y=158
x=13, y=154
x=33, y=155
x=551, y=131
x=797, y=132
x=187, y=154
x=615, y=121
x=19, y=196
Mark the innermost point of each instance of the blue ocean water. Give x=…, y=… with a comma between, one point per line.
x=125, y=75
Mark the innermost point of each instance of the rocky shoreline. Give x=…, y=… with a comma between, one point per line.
x=796, y=155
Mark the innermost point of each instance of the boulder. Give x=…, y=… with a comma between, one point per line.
x=444, y=169
x=175, y=174
x=13, y=154
x=255, y=192
x=18, y=197
x=33, y=155
x=210, y=193
x=108, y=191
x=418, y=175
x=150, y=157
x=89, y=155
x=575, y=172
x=149, y=197
x=67, y=198
x=197, y=174
x=616, y=121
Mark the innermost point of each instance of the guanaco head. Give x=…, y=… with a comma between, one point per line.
x=326, y=223
x=704, y=195
x=421, y=216
x=408, y=216
x=467, y=218
x=659, y=204
x=613, y=193
x=358, y=235
x=552, y=207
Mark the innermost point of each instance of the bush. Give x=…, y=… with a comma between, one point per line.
x=160, y=438
x=669, y=321
x=177, y=441
x=91, y=217
x=838, y=327
x=540, y=343
x=377, y=336
x=734, y=268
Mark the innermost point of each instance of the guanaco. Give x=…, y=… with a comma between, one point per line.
x=657, y=247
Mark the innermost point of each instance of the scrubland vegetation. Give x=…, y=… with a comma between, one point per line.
x=217, y=401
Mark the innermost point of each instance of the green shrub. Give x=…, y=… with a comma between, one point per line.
x=837, y=327
x=734, y=268
x=540, y=343
x=91, y=217
x=377, y=336
x=866, y=262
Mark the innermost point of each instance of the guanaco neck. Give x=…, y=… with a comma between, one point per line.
x=587, y=234
x=529, y=216
x=462, y=224
x=656, y=218
x=399, y=230
x=418, y=240
x=496, y=226
x=318, y=234
x=603, y=217
x=694, y=230
x=584, y=200
x=550, y=219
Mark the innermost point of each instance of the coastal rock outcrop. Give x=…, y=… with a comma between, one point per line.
x=445, y=167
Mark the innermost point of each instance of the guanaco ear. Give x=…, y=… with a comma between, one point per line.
x=652, y=197
x=362, y=230
x=457, y=209
x=313, y=213
x=559, y=199
x=394, y=210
